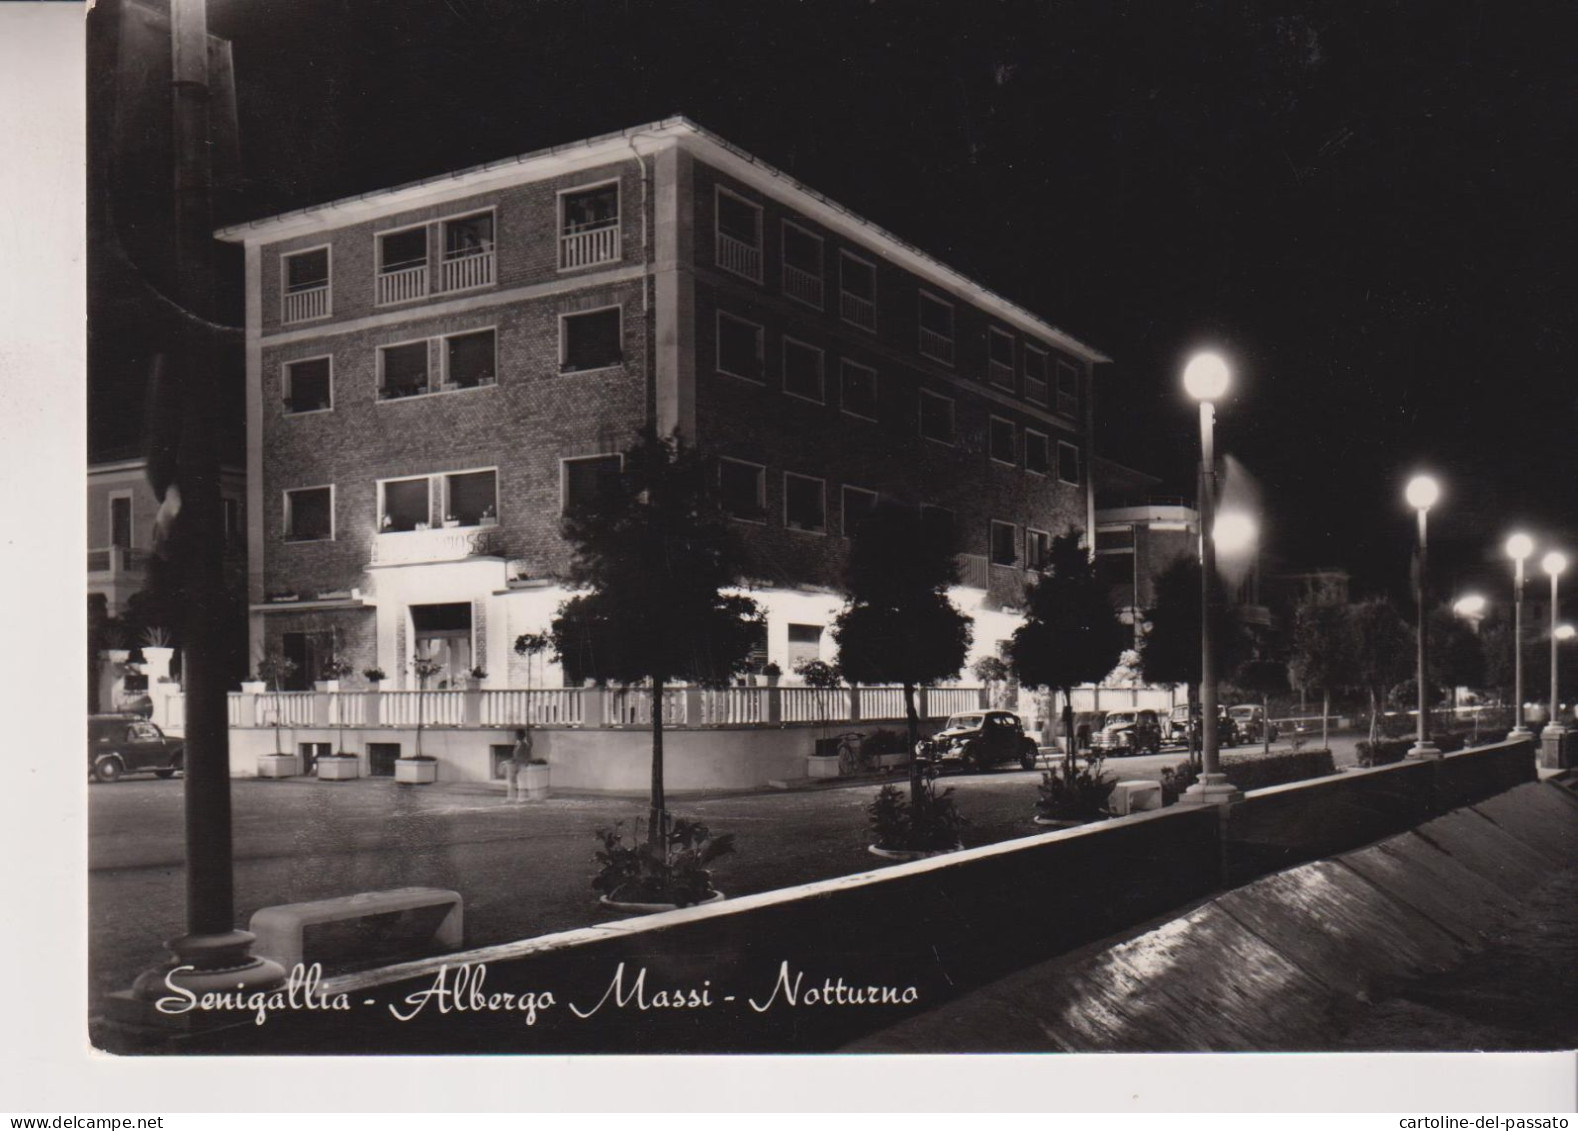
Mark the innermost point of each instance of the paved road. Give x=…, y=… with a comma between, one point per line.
x=523, y=870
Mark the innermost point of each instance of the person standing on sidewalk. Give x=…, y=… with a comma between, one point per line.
x=520, y=758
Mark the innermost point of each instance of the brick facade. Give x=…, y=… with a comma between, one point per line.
x=535, y=415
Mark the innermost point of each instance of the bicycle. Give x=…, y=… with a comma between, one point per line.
x=851, y=753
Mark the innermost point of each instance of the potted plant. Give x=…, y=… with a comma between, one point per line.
x=157, y=651
x=419, y=768
x=332, y=672
x=825, y=679
x=659, y=874
x=475, y=677
x=450, y=521
x=489, y=517
x=374, y=676
x=908, y=828
x=1073, y=799
x=771, y=672
x=273, y=670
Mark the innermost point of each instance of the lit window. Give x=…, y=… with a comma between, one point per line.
x=739, y=347
x=802, y=370
x=858, y=389
x=805, y=507
x=936, y=417
x=307, y=385
x=309, y=514
x=742, y=488
x=591, y=340
x=1001, y=439
x=1004, y=552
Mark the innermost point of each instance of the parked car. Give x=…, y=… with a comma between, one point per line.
x=128, y=744
x=1227, y=729
x=1250, y=723
x=980, y=739
x=1128, y=732
x=1176, y=727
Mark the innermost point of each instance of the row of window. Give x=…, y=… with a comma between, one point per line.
x=739, y=238
x=451, y=254
x=588, y=340
x=468, y=498
x=743, y=488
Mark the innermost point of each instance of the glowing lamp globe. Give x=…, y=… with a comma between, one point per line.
x=1206, y=376
x=1234, y=532
x=1554, y=562
x=1519, y=546
x=1565, y=632
x=1422, y=493
x=1470, y=606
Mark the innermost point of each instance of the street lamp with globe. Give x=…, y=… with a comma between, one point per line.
x=1519, y=547
x=1422, y=493
x=1206, y=378
x=1554, y=735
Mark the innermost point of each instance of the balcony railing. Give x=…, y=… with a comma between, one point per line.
x=859, y=311
x=1035, y=390
x=117, y=559
x=588, y=248
x=803, y=285
x=402, y=284
x=936, y=345
x=1000, y=375
x=450, y=544
x=474, y=269
x=740, y=257
x=306, y=304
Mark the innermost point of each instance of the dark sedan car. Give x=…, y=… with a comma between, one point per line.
x=980, y=739
x=126, y=744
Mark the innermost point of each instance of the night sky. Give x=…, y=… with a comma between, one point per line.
x=1370, y=207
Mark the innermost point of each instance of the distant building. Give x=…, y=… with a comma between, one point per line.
x=121, y=509
x=437, y=372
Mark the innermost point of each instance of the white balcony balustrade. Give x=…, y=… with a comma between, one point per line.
x=858, y=311
x=462, y=272
x=402, y=284
x=739, y=257
x=306, y=304
x=936, y=345
x=589, y=248
x=451, y=544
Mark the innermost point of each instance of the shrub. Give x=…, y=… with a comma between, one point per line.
x=881, y=742
x=1258, y=772
x=1384, y=752
x=931, y=823
x=1082, y=796
x=671, y=870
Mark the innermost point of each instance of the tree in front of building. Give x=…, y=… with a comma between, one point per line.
x=1171, y=651
x=1322, y=654
x=654, y=556
x=899, y=625
x=1263, y=676
x=274, y=669
x=1382, y=652
x=1071, y=635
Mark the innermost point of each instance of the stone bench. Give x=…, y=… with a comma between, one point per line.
x=431, y=913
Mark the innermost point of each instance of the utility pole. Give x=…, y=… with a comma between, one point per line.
x=212, y=955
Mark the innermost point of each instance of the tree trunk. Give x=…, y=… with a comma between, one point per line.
x=1265, y=724
x=1374, y=719
x=657, y=818
x=1071, y=758
x=1325, y=720
x=912, y=722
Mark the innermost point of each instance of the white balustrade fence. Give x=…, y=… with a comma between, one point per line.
x=302, y=305
x=583, y=249
x=285, y=708
x=466, y=271
x=740, y=257
x=944, y=701
x=548, y=707
x=402, y=285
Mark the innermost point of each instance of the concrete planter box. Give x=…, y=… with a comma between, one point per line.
x=253, y=687
x=326, y=685
x=278, y=765
x=335, y=768
x=817, y=766
x=652, y=908
x=532, y=781
x=410, y=771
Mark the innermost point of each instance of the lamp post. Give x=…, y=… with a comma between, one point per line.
x=1554, y=735
x=1206, y=378
x=1519, y=547
x=1422, y=493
